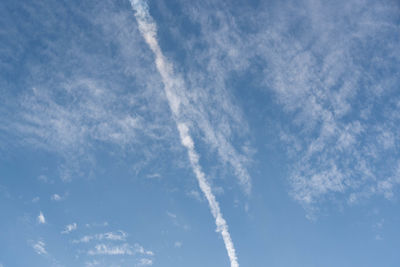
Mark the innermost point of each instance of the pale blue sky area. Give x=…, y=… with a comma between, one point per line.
x=199, y=133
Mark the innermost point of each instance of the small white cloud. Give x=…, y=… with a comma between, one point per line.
x=103, y=249
x=103, y=224
x=140, y=250
x=379, y=225
x=34, y=200
x=119, y=235
x=69, y=228
x=195, y=195
x=178, y=244
x=154, y=176
x=171, y=215
x=113, y=236
x=145, y=262
x=39, y=248
x=56, y=197
x=84, y=239
x=41, y=219
x=43, y=178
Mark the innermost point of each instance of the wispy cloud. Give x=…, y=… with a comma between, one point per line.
x=145, y=262
x=41, y=219
x=66, y=114
x=103, y=249
x=319, y=79
x=69, y=228
x=171, y=215
x=178, y=244
x=195, y=195
x=123, y=249
x=334, y=80
x=112, y=236
x=56, y=197
x=110, y=247
x=92, y=263
x=175, y=93
x=39, y=247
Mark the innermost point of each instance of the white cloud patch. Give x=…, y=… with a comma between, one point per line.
x=69, y=228
x=92, y=263
x=195, y=195
x=56, y=197
x=39, y=247
x=171, y=215
x=103, y=249
x=178, y=244
x=154, y=176
x=96, y=224
x=123, y=249
x=140, y=250
x=92, y=113
x=41, y=219
x=145, y=262
x=43, y=178
x=112, y=236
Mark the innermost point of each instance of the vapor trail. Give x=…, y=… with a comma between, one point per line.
x=175, y=92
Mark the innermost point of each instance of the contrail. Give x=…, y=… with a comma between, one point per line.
x=175, y=93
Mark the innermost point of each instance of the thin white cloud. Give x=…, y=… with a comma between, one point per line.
x=178, y=244
x=195, y=195
x=92, y=110
x=140, y=250
x=92, y=263
x=43, y=178
x=39, y=247
x=123, y=249
x=41, y=219
x=90, y=225
x=154, y=176
x=56, y=197
x=112, y=236
x=104, y=249
x=176, y=98
x=69, y=228
x=171, y=215
x=145, y=262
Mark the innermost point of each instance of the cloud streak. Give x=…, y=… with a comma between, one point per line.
x=175, y=93
x=111, y=236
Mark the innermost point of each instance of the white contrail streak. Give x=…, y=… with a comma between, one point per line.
x=175, y=92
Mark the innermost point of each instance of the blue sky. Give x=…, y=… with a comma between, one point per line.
x=199, y=133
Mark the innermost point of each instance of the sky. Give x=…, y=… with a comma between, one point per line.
x=199, y=133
